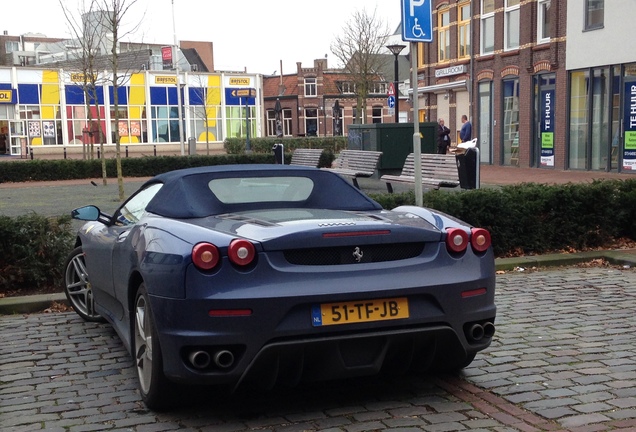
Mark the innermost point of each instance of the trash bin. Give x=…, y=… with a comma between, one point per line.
x=192, y=146
x=467, y=168
x=279, y=154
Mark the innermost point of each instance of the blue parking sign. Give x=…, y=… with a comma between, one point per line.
x=417, y=20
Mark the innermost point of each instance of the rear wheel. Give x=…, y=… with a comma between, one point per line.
x=77, y=286
x=156, y=391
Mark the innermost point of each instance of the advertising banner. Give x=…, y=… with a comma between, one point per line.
x=629, y=122
x=547, y=127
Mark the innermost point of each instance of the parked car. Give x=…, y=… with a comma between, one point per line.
x=249, y=275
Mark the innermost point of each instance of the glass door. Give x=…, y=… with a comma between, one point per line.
x=17, y=138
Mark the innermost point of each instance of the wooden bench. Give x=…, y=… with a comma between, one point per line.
x=437, y=171
x=306, y=157
x=356, y=163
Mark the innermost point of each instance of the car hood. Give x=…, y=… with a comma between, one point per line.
x=277, y=228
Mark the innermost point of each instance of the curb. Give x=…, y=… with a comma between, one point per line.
x=625, y=257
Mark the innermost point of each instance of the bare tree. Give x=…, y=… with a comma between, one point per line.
x=117, y=12
x=88, y=40
x=358, y=47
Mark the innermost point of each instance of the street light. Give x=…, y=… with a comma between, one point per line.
x=396, y=49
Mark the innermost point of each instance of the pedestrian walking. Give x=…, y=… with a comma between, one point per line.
x=466, y=131
x=443, y=137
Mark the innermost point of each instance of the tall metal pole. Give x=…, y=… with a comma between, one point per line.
x=175, y=61
x=395, y=85
x=417, y=146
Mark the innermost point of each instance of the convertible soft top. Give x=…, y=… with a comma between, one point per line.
x=186, y=193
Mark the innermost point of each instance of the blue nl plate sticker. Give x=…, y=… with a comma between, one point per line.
x=316, y=316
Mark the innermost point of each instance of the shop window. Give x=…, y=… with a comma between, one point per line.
x=511, y=122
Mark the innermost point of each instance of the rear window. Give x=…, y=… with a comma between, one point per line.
x=261, y=189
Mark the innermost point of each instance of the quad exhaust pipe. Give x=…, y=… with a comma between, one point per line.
x=478, y=331
x=201, y=359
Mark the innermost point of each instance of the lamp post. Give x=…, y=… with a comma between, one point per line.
x=396, y=49
x=175, y=62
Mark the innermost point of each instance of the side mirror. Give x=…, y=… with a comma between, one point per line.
x=87, y=213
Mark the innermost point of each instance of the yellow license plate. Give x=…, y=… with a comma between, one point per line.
x=360, y=311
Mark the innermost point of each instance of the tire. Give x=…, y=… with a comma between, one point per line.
x=156, y=391
x=77, y=286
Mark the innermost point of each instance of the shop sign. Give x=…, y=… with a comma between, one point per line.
x=547, y=127
x=169, y=79
x=450, y=71
x=6, y=96
x=240, y=81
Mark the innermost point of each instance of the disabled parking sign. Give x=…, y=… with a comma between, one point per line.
x=417, y=21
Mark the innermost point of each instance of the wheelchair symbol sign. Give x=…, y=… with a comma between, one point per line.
x=417, y=20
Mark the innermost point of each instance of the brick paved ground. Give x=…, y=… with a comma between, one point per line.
x=564, y=358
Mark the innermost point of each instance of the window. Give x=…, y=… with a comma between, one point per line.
x=463, y=30
x=443, y=35
x=287, y=122
x=271, y=123
x=311, y=122
x=487, y=26
x=378, y=88
x=512, y=24
x=310, y=87
x=135, y=207
x=377, y=114
x=347, y=87
x=421, y=55
x=543, y=21
x=594, y=11
x=11, y=46
x=511, y=121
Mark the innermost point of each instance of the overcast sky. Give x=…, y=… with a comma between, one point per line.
x=252, y=34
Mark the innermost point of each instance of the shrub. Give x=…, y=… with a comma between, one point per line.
x=33, y=249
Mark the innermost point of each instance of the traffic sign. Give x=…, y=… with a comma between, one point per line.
x=417, y=20
x=391, y=101
x=391, y=91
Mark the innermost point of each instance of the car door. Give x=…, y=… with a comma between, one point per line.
x=126, y=229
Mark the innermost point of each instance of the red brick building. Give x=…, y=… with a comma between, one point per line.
x=309, y=99
x=502, y=63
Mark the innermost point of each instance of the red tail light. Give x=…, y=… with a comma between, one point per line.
x=241, y=252
x=205, y=256
x=480, y=239
x=456, y=240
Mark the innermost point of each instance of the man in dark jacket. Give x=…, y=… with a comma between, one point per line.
x=443, y=137
x=466, y=131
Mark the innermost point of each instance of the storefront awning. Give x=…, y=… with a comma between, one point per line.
x=441, y=88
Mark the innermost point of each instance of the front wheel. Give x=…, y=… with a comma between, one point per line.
x=156, y=391
x=77, y=286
